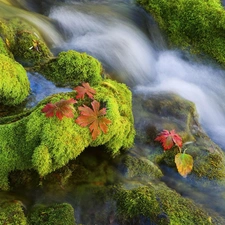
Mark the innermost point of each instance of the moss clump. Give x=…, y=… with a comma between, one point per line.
x=141, y=168
x=14, y=85
x=60, y=214
x=45, y=144
x=11, y=213
x=72, y=68
x=24, y=41
x=3, y=48
x=195, y=24
x=158, y=204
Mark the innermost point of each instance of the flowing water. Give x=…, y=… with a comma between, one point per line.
x=129, y=44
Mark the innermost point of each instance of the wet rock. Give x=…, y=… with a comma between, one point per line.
x=169, y=111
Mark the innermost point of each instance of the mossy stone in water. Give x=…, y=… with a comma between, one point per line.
x=60, y=214
x=24, y=41
x=195, y=25
x=157, y=204
x=14, y=85
x=33, y=141
x=71, y=68
x=172, y=112
x=11, y=213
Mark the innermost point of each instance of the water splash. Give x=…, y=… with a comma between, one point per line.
x=118, y=44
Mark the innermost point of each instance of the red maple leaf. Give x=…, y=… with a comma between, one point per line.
x=95, y=119
x=86, y=89
x=168, y=139
x=60, y=109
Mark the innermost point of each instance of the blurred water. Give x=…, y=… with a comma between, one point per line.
x=41, y=88
x=110, y=35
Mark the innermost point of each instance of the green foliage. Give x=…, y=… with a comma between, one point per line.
x=14, y=85
x=159, y=205
x=11, y=213
x=198, y=25
x=60, y=214
x=34, y=141
x=72, y=68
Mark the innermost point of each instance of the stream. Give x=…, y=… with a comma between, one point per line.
x=132, y=50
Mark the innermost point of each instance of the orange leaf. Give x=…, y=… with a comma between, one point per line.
x=86, y=89
x=94, y=118
x=60, y=109
x=184, y=163
x=168, y=139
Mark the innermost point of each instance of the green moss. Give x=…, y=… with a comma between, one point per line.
x=159, y=205
x=14, y=85
x=71, y=68
x=141, y=168
x=60, y=214
x=198, y=25
x=11, y=213
x=24, y=41
x=3, y=48
x=46, y=144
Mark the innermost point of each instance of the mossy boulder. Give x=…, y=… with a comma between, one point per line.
x=60, y=214
x=24, y=41
x=32, y=140
x=198, y=25
x=170, y=111
x=72, y=68
x=12, y=212
x=157, y=204
x=14, y=85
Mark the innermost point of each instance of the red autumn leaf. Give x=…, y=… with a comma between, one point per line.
x=86, y=89
x=168, y=139
x=60, y=109
x=94, y=118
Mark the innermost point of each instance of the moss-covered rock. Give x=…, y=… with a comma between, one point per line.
x=169, y=111
x=72, y=68
x=11, y=213
x=34, y=141
x=60, y=214
x=198, y=25
x=14, y=85
x=157, y=204
x=24, y=41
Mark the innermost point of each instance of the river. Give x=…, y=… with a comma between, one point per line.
x=132, y=50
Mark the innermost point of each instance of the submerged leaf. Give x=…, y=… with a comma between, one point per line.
x=95, y=119
x=168, y=139
x=86, y=89
x=60, y=109
x=184, y=163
